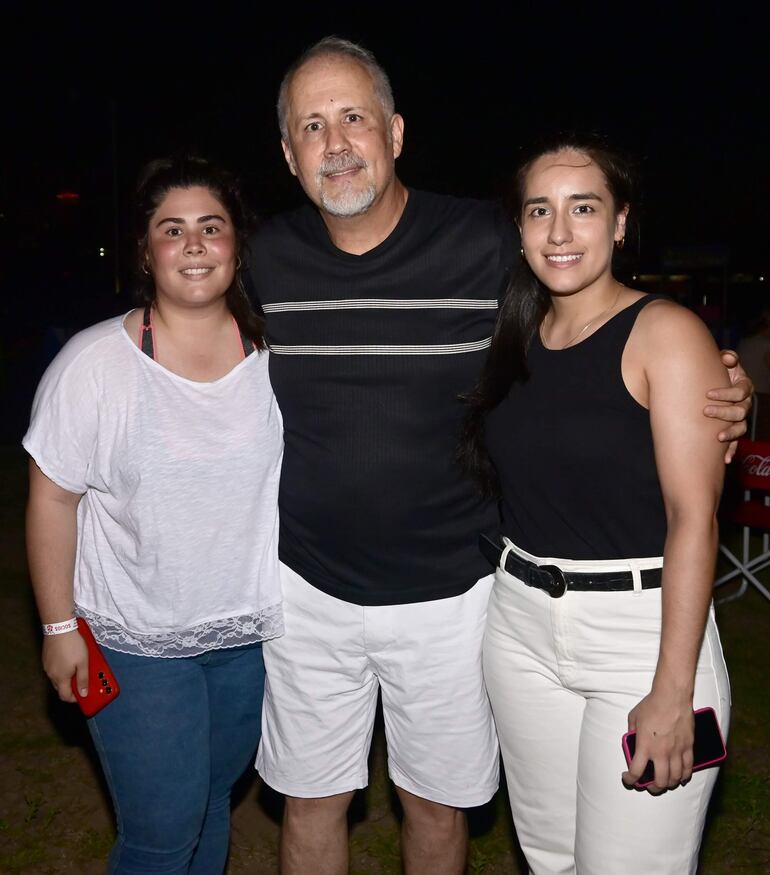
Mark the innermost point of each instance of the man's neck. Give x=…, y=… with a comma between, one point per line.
x=359, y=234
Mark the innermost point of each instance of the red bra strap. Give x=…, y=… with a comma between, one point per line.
x=147, y=342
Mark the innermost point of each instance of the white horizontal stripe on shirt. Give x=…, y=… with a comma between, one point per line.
x=373, y=349
x=384, y=304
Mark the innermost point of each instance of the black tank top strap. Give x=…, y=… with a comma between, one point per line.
x=147, y=345
x=620, y=326
x=247, y=343
x=611, y=338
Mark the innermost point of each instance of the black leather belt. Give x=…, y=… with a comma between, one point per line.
x=556, y=582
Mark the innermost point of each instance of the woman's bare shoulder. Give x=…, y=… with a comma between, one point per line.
x=663, y=322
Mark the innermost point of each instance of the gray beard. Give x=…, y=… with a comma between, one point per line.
x=346, y=203
x=350, y=203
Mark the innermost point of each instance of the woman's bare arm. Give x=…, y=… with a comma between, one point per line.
x=680, y=363
x=51, y=541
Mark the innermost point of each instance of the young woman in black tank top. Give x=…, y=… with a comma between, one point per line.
x=588, y=423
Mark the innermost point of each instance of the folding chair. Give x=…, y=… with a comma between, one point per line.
x=751, y=468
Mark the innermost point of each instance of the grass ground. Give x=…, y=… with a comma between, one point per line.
x=55, y=817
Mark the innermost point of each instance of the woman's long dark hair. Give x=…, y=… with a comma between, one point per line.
x=156, y=180
x=524, y=306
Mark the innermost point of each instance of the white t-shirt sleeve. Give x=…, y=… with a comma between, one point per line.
x=62, y=433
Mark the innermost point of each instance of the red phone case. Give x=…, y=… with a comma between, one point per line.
x=718, y=741
x=103, y=686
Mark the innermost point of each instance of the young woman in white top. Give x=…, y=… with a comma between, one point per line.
x=155, y=446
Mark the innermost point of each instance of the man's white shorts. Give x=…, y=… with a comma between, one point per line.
x=321, y=693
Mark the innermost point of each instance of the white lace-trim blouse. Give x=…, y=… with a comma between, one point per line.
x=177, y=548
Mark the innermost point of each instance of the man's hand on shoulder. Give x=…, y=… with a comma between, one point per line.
x=735, y=402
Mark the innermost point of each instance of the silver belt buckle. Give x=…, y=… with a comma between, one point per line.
x=560, y=581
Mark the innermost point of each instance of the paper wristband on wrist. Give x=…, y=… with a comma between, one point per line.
x=60, y=628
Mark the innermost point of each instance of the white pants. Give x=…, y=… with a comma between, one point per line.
x=562, y=675
x=323, y=677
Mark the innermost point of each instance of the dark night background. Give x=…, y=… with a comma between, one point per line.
x=88, y=96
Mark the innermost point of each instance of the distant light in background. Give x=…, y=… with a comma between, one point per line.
x=761, y=279
x=101, y=251
x=663, y=277
x=68, y=196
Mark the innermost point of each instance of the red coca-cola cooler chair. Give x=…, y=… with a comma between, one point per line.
x=751, y=474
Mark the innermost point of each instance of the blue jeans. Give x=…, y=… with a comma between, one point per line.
x=172, y=745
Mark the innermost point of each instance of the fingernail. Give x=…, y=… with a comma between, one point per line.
x=83, y=691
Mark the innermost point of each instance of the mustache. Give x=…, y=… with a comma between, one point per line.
x=340, y=163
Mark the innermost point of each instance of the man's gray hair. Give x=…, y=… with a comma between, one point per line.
x=334, y=46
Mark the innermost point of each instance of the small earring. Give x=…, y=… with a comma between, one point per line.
x=522, y=251
x=620, y=243
x=145, y=269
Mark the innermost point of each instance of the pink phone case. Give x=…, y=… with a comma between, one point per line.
x=715, y=740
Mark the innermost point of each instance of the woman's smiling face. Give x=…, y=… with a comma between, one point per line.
x=569, y=222
x=191, y=247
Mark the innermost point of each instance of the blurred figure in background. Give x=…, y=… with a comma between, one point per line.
x=754, y=351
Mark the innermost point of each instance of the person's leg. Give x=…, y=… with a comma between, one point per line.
x=153, y=743
x=320, y=700
x=527, y=662
x=314, y=835
x=621, y=829
x=235, y=679
x=442, y=748
x=434, y=837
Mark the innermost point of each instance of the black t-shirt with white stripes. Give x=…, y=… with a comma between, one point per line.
x=368, y=356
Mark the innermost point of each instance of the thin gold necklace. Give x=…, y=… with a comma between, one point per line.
x=584, y=328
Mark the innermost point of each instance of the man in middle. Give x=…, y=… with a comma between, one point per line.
x=381, y=302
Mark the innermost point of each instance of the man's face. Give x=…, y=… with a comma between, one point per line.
x=340, y=145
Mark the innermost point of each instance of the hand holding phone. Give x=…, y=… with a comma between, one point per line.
x=103, y=686
x=65, y=657
x=708, y=748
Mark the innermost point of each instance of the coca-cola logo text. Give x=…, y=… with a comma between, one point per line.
x=758, y=466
